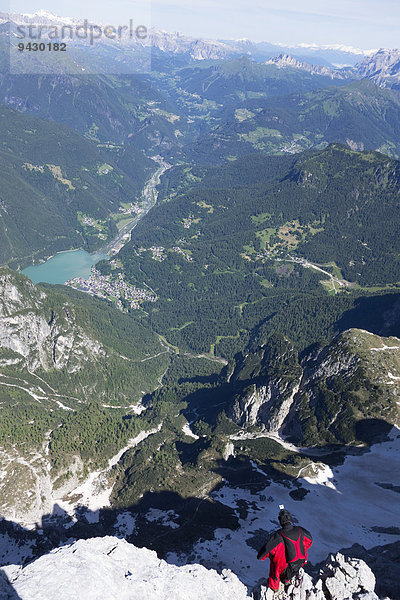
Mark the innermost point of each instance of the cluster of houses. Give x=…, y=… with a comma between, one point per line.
x=125, y=295
x=158, y=253
x=131, y=209
x=88, y=221
x=186, y=255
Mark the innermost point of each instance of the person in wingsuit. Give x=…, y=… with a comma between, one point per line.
x=286, y=549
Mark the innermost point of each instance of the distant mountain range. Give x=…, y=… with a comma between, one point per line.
x=335, y=61
x=205, y=49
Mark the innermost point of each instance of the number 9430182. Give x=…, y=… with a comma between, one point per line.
x=42, y=47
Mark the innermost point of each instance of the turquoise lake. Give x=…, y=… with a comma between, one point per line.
x=64, y=266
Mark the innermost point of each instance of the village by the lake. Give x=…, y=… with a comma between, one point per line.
x=114, y=289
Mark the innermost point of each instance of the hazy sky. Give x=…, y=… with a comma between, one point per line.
x=360, y=23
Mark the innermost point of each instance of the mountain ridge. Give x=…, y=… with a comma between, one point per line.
x=103, y=565
x=383, y=68
x=203, y=49
x=285, y=60
x=326, y=396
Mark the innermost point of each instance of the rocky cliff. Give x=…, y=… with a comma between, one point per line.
x=383, y=68
x=265, y=383
x=34, y=337
x=285, y=60
x=111, y=568
x=339, y=578
x=329, y=395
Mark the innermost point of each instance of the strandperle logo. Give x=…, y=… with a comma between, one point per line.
x=82, y=31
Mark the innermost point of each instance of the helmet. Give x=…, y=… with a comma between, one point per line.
x=284, y=517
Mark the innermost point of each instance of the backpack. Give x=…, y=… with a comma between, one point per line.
x=295, y=556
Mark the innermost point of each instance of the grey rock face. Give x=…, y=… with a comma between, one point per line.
x=351, y=574
x=267, y=405
x=111, y=569
x=34, y=338
x=285, y=61
x=267, y=382
x=383, y=68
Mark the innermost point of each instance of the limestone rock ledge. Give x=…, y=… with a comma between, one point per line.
x=111, y=568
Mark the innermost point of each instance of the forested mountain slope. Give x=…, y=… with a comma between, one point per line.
x=359, y=114
x=71, y=369
x=229, y=246
x=107, y=109
x=50, y=178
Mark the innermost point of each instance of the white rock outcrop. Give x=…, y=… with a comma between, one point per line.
x=111, y=569
x=265, y=405
x=285, y=60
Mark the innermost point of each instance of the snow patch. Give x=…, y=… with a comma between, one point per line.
x=318, y=474
x=125, y=524
x=347, y=490
x=163, y=517
x=187, y=431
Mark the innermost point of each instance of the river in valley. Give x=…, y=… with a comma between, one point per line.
x=77, y=263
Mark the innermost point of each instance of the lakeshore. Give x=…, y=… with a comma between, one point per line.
x=77, y=264
x=64, y=266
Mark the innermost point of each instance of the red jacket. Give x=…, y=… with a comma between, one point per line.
x=286, y=546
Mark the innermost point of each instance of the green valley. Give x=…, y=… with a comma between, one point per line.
x=234, y=248
x=244, y=331
x=359, y=114
x=55, y=195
